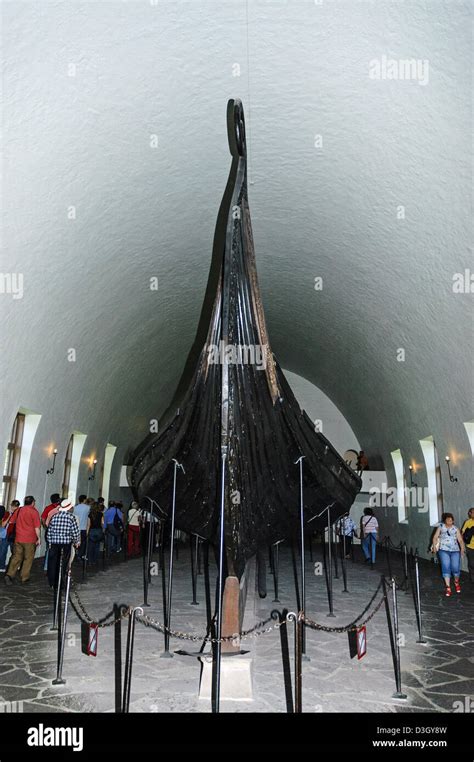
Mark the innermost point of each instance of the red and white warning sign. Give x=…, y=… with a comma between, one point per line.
x=361, y=642
x=92, y=643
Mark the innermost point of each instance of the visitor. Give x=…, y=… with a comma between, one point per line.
x=368, y=534
x=449, y=545
x=9, y=524
x=81, y=511
x=95, y=533
x=63, y=533
x=4, y=517
x=26, y=524
x=346, y=529
x=113, y=527
x=53, y=506
x=467, y=532
x=133, y=530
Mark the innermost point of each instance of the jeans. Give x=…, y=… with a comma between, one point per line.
x=450, y=561
x=3, y=552
x=113, y=537
x=95, y=538
x=369, y=546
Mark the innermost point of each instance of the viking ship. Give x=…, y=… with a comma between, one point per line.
x=234, y=424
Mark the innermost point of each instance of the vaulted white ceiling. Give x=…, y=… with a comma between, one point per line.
x=91, y=88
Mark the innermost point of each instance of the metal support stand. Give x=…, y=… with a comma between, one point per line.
x=394, y=637
x=62, y=632
x=302, y=554
x=129, y=659
x=57, y=599
x=218, y=649
x=275, y=565
x=334, y=544
x=166, y=653
x=419, y=618
x=329, y=567
x=405, y=568
x=298, y=639
x=118, y=657
x=343, y=555
x=194, y=563
x=147, y=556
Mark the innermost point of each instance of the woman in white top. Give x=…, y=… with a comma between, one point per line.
x=133, y=532
x=369, y=527
x=449, y=544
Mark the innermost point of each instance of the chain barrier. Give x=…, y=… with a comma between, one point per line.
x=356, y=623
x=255, y=631
x=87, y=619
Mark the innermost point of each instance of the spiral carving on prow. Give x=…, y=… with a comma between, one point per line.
x=236, y=126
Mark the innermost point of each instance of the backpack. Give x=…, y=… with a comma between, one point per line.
x=468, y=534
x=118, y=523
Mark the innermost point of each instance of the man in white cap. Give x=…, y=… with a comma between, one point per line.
x=63, y=533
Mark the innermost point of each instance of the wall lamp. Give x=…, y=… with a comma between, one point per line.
x=412, y=483
x=51, y=470
x=92, y=473
x=451, y=477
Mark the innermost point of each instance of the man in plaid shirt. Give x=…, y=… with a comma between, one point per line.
x=63, y=533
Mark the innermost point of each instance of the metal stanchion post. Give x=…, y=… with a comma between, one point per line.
x=405, y=567
x=199, y=555
x=57, y=599
x=329, y=566
x=333, y=541
x=118, y=657
x=394, y=638
x=421, y=639
x=343, y=555
x=302, y=552
x=127, y=682
x=218, y=649
x=276, y=565
x=194, y=552
x=166, y=653
x=298, y=638
x=62, y=632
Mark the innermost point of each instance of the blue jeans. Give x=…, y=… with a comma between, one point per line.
x=113, y=538
x=450, y=561
x=369, y=546
x=3, y=552
x=95, y=538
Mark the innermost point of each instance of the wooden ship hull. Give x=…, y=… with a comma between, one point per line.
x=235, y=425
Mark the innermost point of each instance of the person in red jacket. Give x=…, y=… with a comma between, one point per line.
x=27, y=538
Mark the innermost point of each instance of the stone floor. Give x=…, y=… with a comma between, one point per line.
x=436, y=677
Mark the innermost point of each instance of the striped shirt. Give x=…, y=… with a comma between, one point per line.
x=63, y=529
